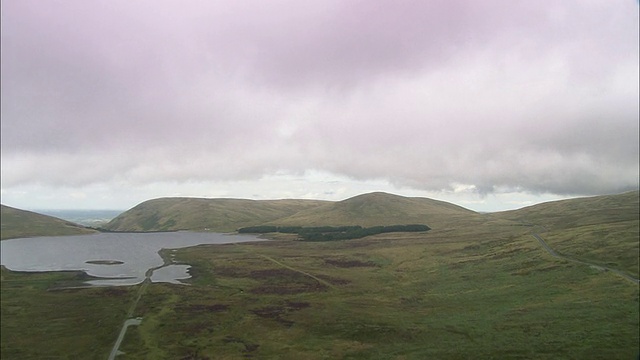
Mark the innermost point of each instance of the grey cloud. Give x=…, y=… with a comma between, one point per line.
x=534, y=96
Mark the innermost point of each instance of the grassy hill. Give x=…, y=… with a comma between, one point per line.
x=20, y=223
x=476, y=286
x=571, y=213
x=380, y=208
x=167, y=214
x=600, y=229
x=372, y=209
x=479, y=288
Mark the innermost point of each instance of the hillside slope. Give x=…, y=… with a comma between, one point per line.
x=18, y=223
x=167, y=214
x=382, y=209
x=577, y=212
x=601, y=229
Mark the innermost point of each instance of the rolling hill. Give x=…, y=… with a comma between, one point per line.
x=380, y=208
x=479, y=283
x=578, y=212
x=168, y=214
x=601, y=229
x=18, y=223
x=372, y=209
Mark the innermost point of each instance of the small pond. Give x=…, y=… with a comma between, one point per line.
x=117, y=258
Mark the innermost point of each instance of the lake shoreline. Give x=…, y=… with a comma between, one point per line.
x=110, y=259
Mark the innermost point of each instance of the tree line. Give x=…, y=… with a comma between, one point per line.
x=330, y=233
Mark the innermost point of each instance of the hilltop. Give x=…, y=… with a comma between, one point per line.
x=584, y=211
x=372, y=209
x=199, y=214
x=477, y=283
x=18, y=223
x=380, y=208
x=600, y=229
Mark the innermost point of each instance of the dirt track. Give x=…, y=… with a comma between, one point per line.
x=599, y=267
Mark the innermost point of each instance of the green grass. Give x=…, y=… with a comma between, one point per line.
x=572, y=213
x=166, y=214
x=225, y=215
x=482, y=289
x=376, y=209
x=444, y=295
x=420, y=297
x=613, y=245
x=20, y=223
x=40, y=320
x=603, y=230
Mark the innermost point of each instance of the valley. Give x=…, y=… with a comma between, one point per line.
x=475, y=285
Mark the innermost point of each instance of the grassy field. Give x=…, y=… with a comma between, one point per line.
x=485, y=291
x=615, y=245
x=224, y=215
x=602, y=230
x=475, y=286
x=41, y=320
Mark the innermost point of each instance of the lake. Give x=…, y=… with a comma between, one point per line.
x=117, y=258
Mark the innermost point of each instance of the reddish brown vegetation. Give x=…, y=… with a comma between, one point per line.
x=349, y=263
x=277, y=312
x=333, y=280
x=202, y=308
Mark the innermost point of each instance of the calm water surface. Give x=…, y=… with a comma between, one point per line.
x=138, y=253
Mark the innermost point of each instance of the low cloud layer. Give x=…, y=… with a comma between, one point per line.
x=519, y=96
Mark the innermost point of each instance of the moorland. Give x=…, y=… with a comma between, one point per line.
x=473, y=286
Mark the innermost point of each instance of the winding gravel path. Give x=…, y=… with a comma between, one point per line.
x=599, y=267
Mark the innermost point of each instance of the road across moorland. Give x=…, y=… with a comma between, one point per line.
x=134, y=321
x=127, y=323
x=297, y=270
x=599, y=267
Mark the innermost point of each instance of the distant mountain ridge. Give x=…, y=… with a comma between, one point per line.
x=201, y=214
x=378, y=208
x=373, y=209
x=18, y=223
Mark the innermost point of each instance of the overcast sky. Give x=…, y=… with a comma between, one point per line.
x=488, y=104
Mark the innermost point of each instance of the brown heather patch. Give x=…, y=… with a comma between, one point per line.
x=199, y=308
x=114, y=291
x=342, y=263
x=275, y=273
x=248, y=346
x=273, y=313
x=230, y=272
x=333, y=280
x=284, y=282
x=290, y=289
x=277, y=312
x=297, y=305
